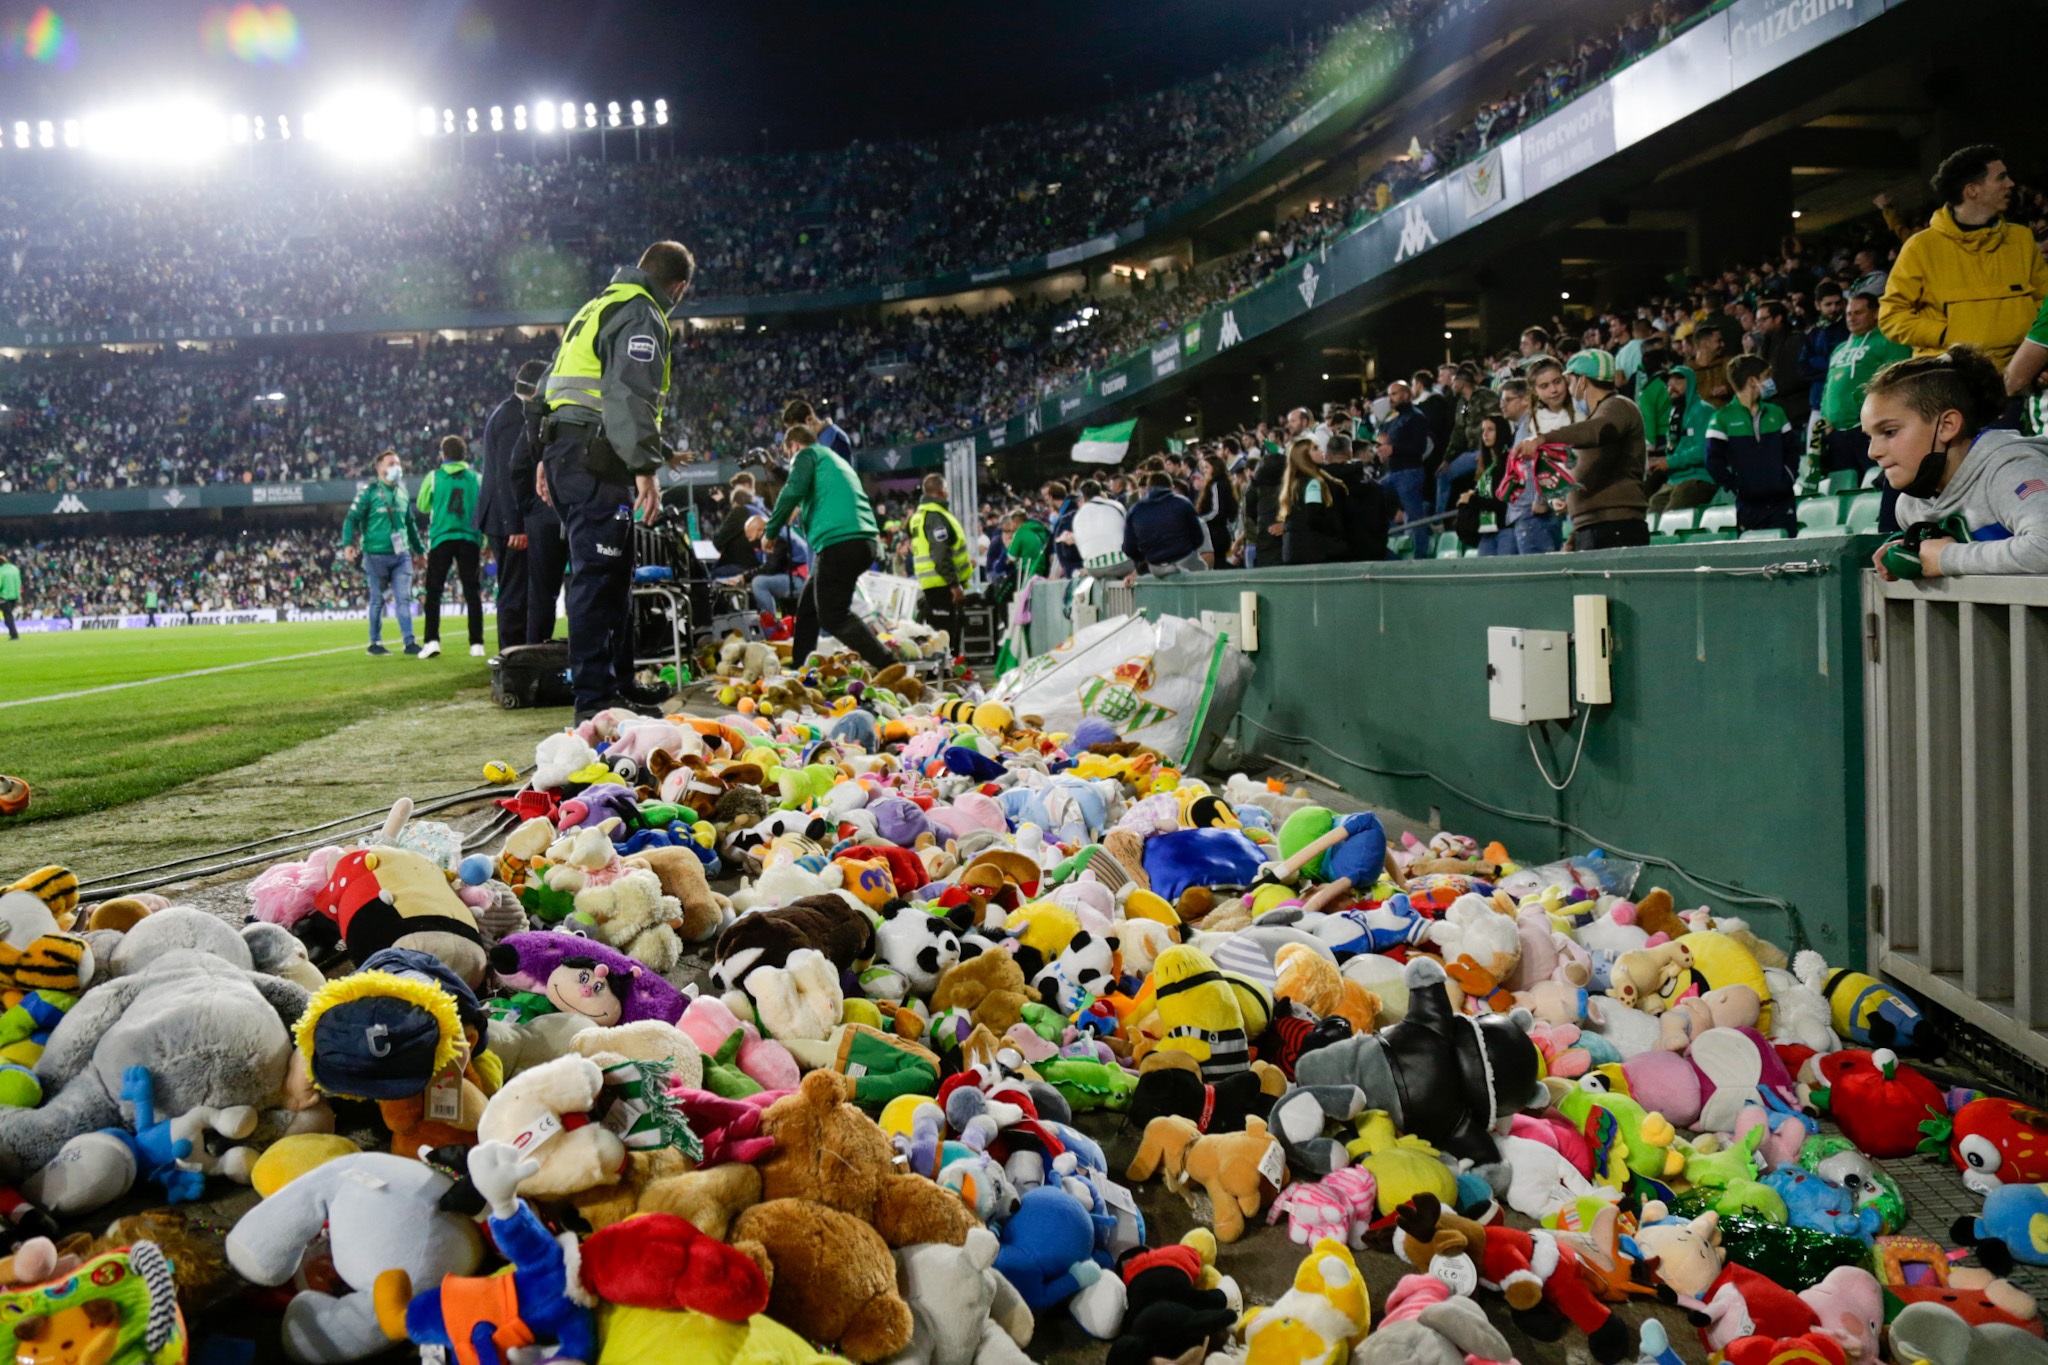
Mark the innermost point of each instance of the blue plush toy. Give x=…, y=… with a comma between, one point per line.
x=1048, y=1251
x=1200, y=857
x=1380, y=929
x=1363, y=855
x=157, y=1151
x=2012, y=1229
x=473, y=1318
x=1814, y=1201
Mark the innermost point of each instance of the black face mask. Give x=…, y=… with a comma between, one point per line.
x=1926, y=481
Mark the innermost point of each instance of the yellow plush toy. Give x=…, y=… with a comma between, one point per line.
x=1319, y=1320
x=1043, y=930
x=1402, y=1164
x=1199, y=1012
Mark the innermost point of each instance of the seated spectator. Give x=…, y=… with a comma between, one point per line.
x=1753, y=451
x=1929, y=421
x=1162, y=534
x=1686, y=482
x=1311, y=509
x=785, y=564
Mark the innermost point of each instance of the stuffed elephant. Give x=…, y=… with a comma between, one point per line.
x=212, y=1032
x=388, y=1236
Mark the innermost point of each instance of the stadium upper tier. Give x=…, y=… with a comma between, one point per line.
x=526, y=229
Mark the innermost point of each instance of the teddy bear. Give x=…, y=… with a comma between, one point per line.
x=749, y=661
x=990, y=987
x=832, y=1209
x=827, y=924
x=528, y=1113
x=785, y=882
x=1481, y=949
x=559, y=755
x=631, y=913
x=1640, y=977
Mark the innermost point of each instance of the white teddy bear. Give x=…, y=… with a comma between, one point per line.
x=630, y=913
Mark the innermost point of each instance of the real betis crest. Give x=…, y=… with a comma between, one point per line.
x=1116, y=696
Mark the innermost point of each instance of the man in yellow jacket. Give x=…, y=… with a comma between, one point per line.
x=1969, y=276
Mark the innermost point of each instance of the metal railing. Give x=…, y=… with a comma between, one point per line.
x=1956, y=756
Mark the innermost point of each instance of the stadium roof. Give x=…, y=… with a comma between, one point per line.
x=812, y=73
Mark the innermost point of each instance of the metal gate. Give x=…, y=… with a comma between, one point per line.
x=1956, y=748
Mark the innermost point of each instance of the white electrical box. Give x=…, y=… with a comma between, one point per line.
x=1594, y=646
x=1528, y=674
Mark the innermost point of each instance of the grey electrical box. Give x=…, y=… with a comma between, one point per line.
x=1528, y=674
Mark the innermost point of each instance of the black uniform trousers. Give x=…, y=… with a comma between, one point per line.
x=547, y=559
x=941, y=612
x=466, y=558
x=597, y=521
x=511, y=592
x=827, y=601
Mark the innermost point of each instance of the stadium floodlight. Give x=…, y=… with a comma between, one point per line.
x=497, y=119
x=448, y=120
x=428, y=122
x=259, y=127
x=611, y=118
x=364, y=124
x=1795, y=213
x=73, y=133
x=589, y=116
x=238, y=128
x=639, y=117
x=469, y=121
x=519, y=117
x=21, y=136
x=175, y=131
x=661, y=111
x=544, y=115
x=568, y=117
x=46, y=133
x=1566, y=295
x=284, y=128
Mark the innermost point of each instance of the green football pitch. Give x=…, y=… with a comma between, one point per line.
x=95, y=719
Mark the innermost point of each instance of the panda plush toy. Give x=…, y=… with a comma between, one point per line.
x=1085, y=968
x=913, y=949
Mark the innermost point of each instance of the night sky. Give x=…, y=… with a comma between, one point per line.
x=814, y=73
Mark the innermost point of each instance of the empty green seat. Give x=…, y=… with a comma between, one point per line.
x=1820, y=516
x=1774, y=533
x=1863, y=510
x=1679, y=523
x=1841, y=481
x=1449, y=547
x=1718, y=521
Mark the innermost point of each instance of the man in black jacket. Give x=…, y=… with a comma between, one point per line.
x=1260, y=514
x=500, y=506
x=1368, y=508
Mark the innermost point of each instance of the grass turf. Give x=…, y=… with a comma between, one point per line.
x=96, y=752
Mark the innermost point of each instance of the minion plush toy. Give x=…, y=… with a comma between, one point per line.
x=1866, y=1011
x=1200, y=1012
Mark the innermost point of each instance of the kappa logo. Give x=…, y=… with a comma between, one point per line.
x=1228, y=335
x=1417, y=236
x=640, y=348
x=1034, y=421
x=1309, y=281
x=69, y=503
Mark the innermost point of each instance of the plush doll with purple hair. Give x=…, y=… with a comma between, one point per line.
x=525, y=962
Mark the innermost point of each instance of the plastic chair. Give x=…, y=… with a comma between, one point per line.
x=1718, y=521
x=1449, y=547
x=1820, y=516
x=1841, y=481
x=1863, y=510
x=1679, y=524
x=1774, y=533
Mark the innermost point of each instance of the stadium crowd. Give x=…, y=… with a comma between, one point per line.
x=291, y=240
x=189, y=572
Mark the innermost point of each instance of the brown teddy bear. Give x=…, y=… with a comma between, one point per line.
x=834, y=1207
x=990, y=987
x=682, y=876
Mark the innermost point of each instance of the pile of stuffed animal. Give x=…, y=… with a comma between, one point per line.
x=565, y=1101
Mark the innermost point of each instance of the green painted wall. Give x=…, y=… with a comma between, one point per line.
x=1733, y=748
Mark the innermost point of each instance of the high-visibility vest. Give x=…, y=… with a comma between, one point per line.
x=577, y=373
x=928, y=575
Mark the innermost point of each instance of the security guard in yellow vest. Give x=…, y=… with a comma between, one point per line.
x=600, y=436
x=943, y=564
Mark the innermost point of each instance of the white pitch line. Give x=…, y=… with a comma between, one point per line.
x=173, y=677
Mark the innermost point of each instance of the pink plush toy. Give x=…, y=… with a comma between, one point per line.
x=1781, y=1144
x=284, y=894
x=709, y=1023
x=1341, y=1205
x=970, y=811
x=1562, y=1056
x=1553, y=1130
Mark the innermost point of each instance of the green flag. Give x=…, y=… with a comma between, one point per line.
x=1105, y=445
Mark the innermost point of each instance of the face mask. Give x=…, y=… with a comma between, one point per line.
x=1927, y=481
x=392, y=471
x=1770, y=388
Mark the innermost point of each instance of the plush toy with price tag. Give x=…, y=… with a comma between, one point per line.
x=579, y=1119
x=1238, y=1171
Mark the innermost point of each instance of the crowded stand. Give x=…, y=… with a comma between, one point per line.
x=300, y=568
